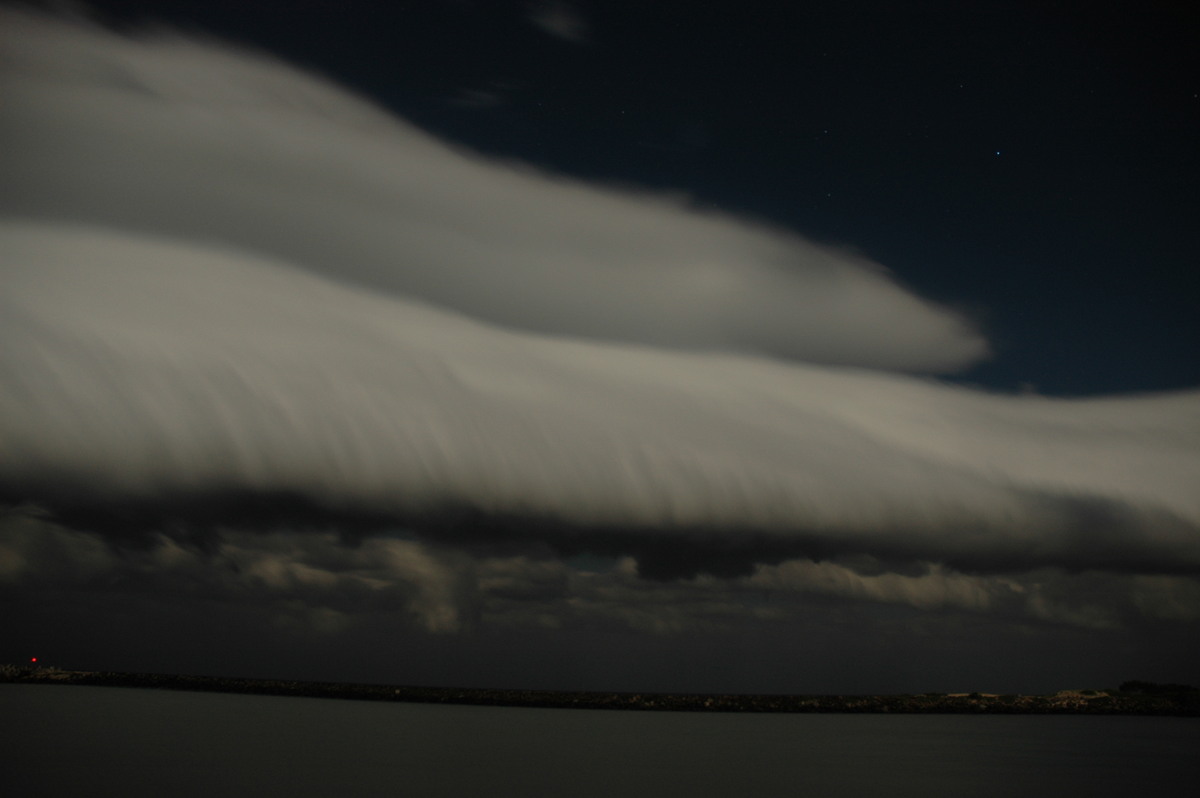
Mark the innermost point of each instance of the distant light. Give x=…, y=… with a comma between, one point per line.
x=997, y=152
x=33, y=659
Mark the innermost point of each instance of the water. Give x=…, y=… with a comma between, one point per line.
x=93, y=741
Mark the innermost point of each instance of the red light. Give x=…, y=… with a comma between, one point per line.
x=33, y=659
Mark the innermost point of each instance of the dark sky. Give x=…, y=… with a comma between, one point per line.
x=608, y=345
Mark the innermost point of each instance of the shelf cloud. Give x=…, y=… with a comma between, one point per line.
x=165, y=375
x=260, y=336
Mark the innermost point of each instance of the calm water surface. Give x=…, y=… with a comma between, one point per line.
x=92, y=741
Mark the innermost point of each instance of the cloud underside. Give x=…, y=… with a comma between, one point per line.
x=263, y=342
x=313, y=582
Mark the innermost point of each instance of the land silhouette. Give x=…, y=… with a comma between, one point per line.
x=1131, y=698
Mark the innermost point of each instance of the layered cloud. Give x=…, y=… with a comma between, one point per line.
x=176, y=137
x=261, y=341
x=150, y=373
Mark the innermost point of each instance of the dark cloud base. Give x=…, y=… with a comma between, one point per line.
x=530, y=612
x=1095, y=533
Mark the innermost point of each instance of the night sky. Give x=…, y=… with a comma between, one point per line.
x=831, y=347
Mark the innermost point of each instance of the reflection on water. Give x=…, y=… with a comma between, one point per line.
x=86, y=741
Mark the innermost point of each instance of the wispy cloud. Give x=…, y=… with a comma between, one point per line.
x=560, y=19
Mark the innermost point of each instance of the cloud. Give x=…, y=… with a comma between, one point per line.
x=559, y=19
x=309, y=580
x=935, y=588
x=478, y=99
x=176, y=137
x=265, y=345
x=173, y=381
x=312, y=582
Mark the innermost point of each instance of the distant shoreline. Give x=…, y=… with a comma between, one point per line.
x=1067, y=702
